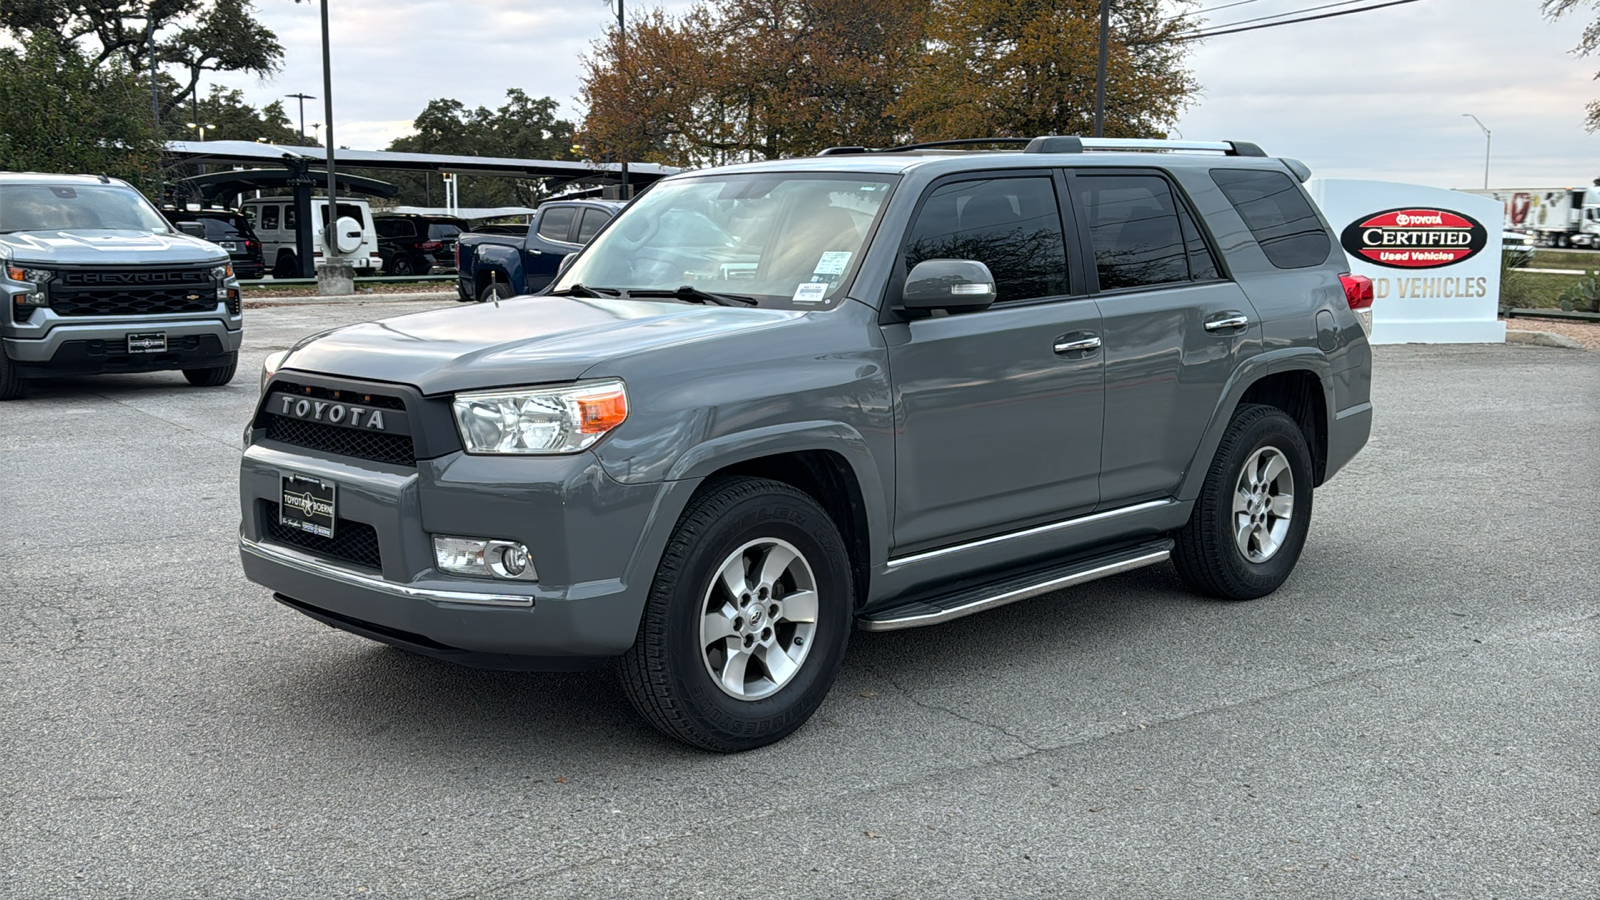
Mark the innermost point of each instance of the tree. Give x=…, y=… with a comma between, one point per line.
x=228, y=118
x=193, y=36
x=1022, y=68
x=60, y=112
x=739, y=79
x=524, y=128
x=1590, y=43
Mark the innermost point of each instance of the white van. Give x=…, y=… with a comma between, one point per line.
x=274, y=221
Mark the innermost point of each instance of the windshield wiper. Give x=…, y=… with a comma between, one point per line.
x=691, y=294
x=579, y=290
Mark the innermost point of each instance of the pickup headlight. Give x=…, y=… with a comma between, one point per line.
x=32, y=276
x=222, y=273
x=540, y=420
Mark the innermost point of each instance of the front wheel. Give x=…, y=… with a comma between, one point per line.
x=216, y=376
x=495, y=292
x=747, y=620
x=1250, y=521
x=12, y=385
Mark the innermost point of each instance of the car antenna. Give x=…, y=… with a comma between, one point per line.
x=103, y=179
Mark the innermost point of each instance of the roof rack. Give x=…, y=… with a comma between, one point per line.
x=1058, y=143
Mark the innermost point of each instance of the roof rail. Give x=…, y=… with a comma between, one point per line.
x=1059, y=143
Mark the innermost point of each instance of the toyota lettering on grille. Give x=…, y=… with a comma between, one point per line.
x=332, y=413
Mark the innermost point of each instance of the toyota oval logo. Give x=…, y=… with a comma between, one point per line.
x=1410, y=238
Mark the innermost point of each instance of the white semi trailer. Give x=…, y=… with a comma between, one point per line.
x=1557, y=217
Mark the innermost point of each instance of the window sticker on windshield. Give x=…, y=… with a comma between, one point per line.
x=832, y=262
x=811, y=292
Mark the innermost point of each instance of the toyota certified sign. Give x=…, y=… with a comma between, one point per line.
x=1415, y=238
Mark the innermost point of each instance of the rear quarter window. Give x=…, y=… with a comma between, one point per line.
x=1278, y=214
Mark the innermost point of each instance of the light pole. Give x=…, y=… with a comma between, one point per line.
x=302, y=97
x=1488, y=144
x=200, y=128
x=1100, y=69
x=622, y=42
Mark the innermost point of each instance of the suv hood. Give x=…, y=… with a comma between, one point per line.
x=101, y=247
x=529, y=340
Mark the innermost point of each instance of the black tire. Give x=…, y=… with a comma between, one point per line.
x=668, y=673
x=1208, y=555
x=495, y=290
x=12, y=385
x=216, y=376
x=400, y=264
x=284, y=266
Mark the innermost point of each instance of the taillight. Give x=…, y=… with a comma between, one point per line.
x=1357, y=290
x=430, y=245
x=458, y=256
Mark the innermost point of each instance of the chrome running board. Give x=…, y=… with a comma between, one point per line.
x=938, y=610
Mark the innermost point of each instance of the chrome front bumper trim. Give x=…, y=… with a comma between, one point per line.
x=313, y=566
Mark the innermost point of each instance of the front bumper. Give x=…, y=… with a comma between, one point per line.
x=594, y=543
x=65, y=346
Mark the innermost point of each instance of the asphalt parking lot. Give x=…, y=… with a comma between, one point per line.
x=1414, y=714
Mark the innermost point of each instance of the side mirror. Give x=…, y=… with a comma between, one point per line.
x=953, y=285
x=565, y=264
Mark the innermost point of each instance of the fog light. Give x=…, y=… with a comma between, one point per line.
x=484, y=557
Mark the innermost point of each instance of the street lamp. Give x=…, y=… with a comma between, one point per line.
x=330, y=232
x=1488, y=140
x=302, y=97
x=622, y=42
x=200, y=127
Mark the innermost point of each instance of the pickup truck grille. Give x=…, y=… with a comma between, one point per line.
x=384, y=447
x=352, y=542
x=132, y=292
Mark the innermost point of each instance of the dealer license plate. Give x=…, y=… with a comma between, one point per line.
x=149, y=342
x=308, y=504
x=229, y=246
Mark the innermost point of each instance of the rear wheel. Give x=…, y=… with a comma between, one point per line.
x=747, y=620
x=1250, y=521
x=285, y=266
x=400, y=264
x=215, y=376
x=496, y=290
x=12, y=385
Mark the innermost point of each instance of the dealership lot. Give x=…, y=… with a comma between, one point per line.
x=1414, y=713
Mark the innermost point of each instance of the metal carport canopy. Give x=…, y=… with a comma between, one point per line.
x=256, y=152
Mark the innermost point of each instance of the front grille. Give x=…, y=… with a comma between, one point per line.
x=142, y=292
x=352, y=542
x=378, y=447
x=346, y=395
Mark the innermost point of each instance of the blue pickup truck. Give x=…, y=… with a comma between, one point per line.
x=491, y=266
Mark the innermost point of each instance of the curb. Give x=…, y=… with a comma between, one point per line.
x=1542, y=339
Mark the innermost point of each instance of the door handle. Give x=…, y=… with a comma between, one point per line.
x=1077, y=343
x=1227, y=321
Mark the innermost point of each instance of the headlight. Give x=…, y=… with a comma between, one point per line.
x=34, y=276
x=222, y=273
x=540, y=420
x=270, y=366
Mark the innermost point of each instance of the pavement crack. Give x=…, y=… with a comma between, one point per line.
x=934, y=707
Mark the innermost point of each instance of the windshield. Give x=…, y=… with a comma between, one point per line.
x=56, y=207
x=781, y=239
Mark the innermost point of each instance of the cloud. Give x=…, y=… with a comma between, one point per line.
x=1376, y=95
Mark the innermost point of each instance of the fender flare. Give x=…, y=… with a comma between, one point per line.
x=1288, y=359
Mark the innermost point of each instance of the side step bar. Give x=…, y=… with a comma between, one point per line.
x=937, y=610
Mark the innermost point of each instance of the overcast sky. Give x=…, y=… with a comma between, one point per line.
x=1374, y=95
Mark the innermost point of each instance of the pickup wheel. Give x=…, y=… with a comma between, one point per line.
x=1250, y=521
x=496, y=290
x=216, y=376
x=746, y=624
x=12, y=385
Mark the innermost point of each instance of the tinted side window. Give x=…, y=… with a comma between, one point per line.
x=1133, y=226
x=443, y=232
x=1202, y=265
x=1278, y=214
x=556, y=223
x=590, y=224
x=269, y=218
x=1011, y=225
x=288, y=217
x=386, y=228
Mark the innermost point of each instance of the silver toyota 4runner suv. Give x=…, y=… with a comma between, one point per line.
x=773, y=402
x=95, y=279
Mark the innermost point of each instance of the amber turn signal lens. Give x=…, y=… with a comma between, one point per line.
x=600, y=413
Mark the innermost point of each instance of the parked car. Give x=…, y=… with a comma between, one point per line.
x=493, y=266
x=773, y=402
x=94, y=280
x=228, y=229
x=412, y=244
x=273, y=219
